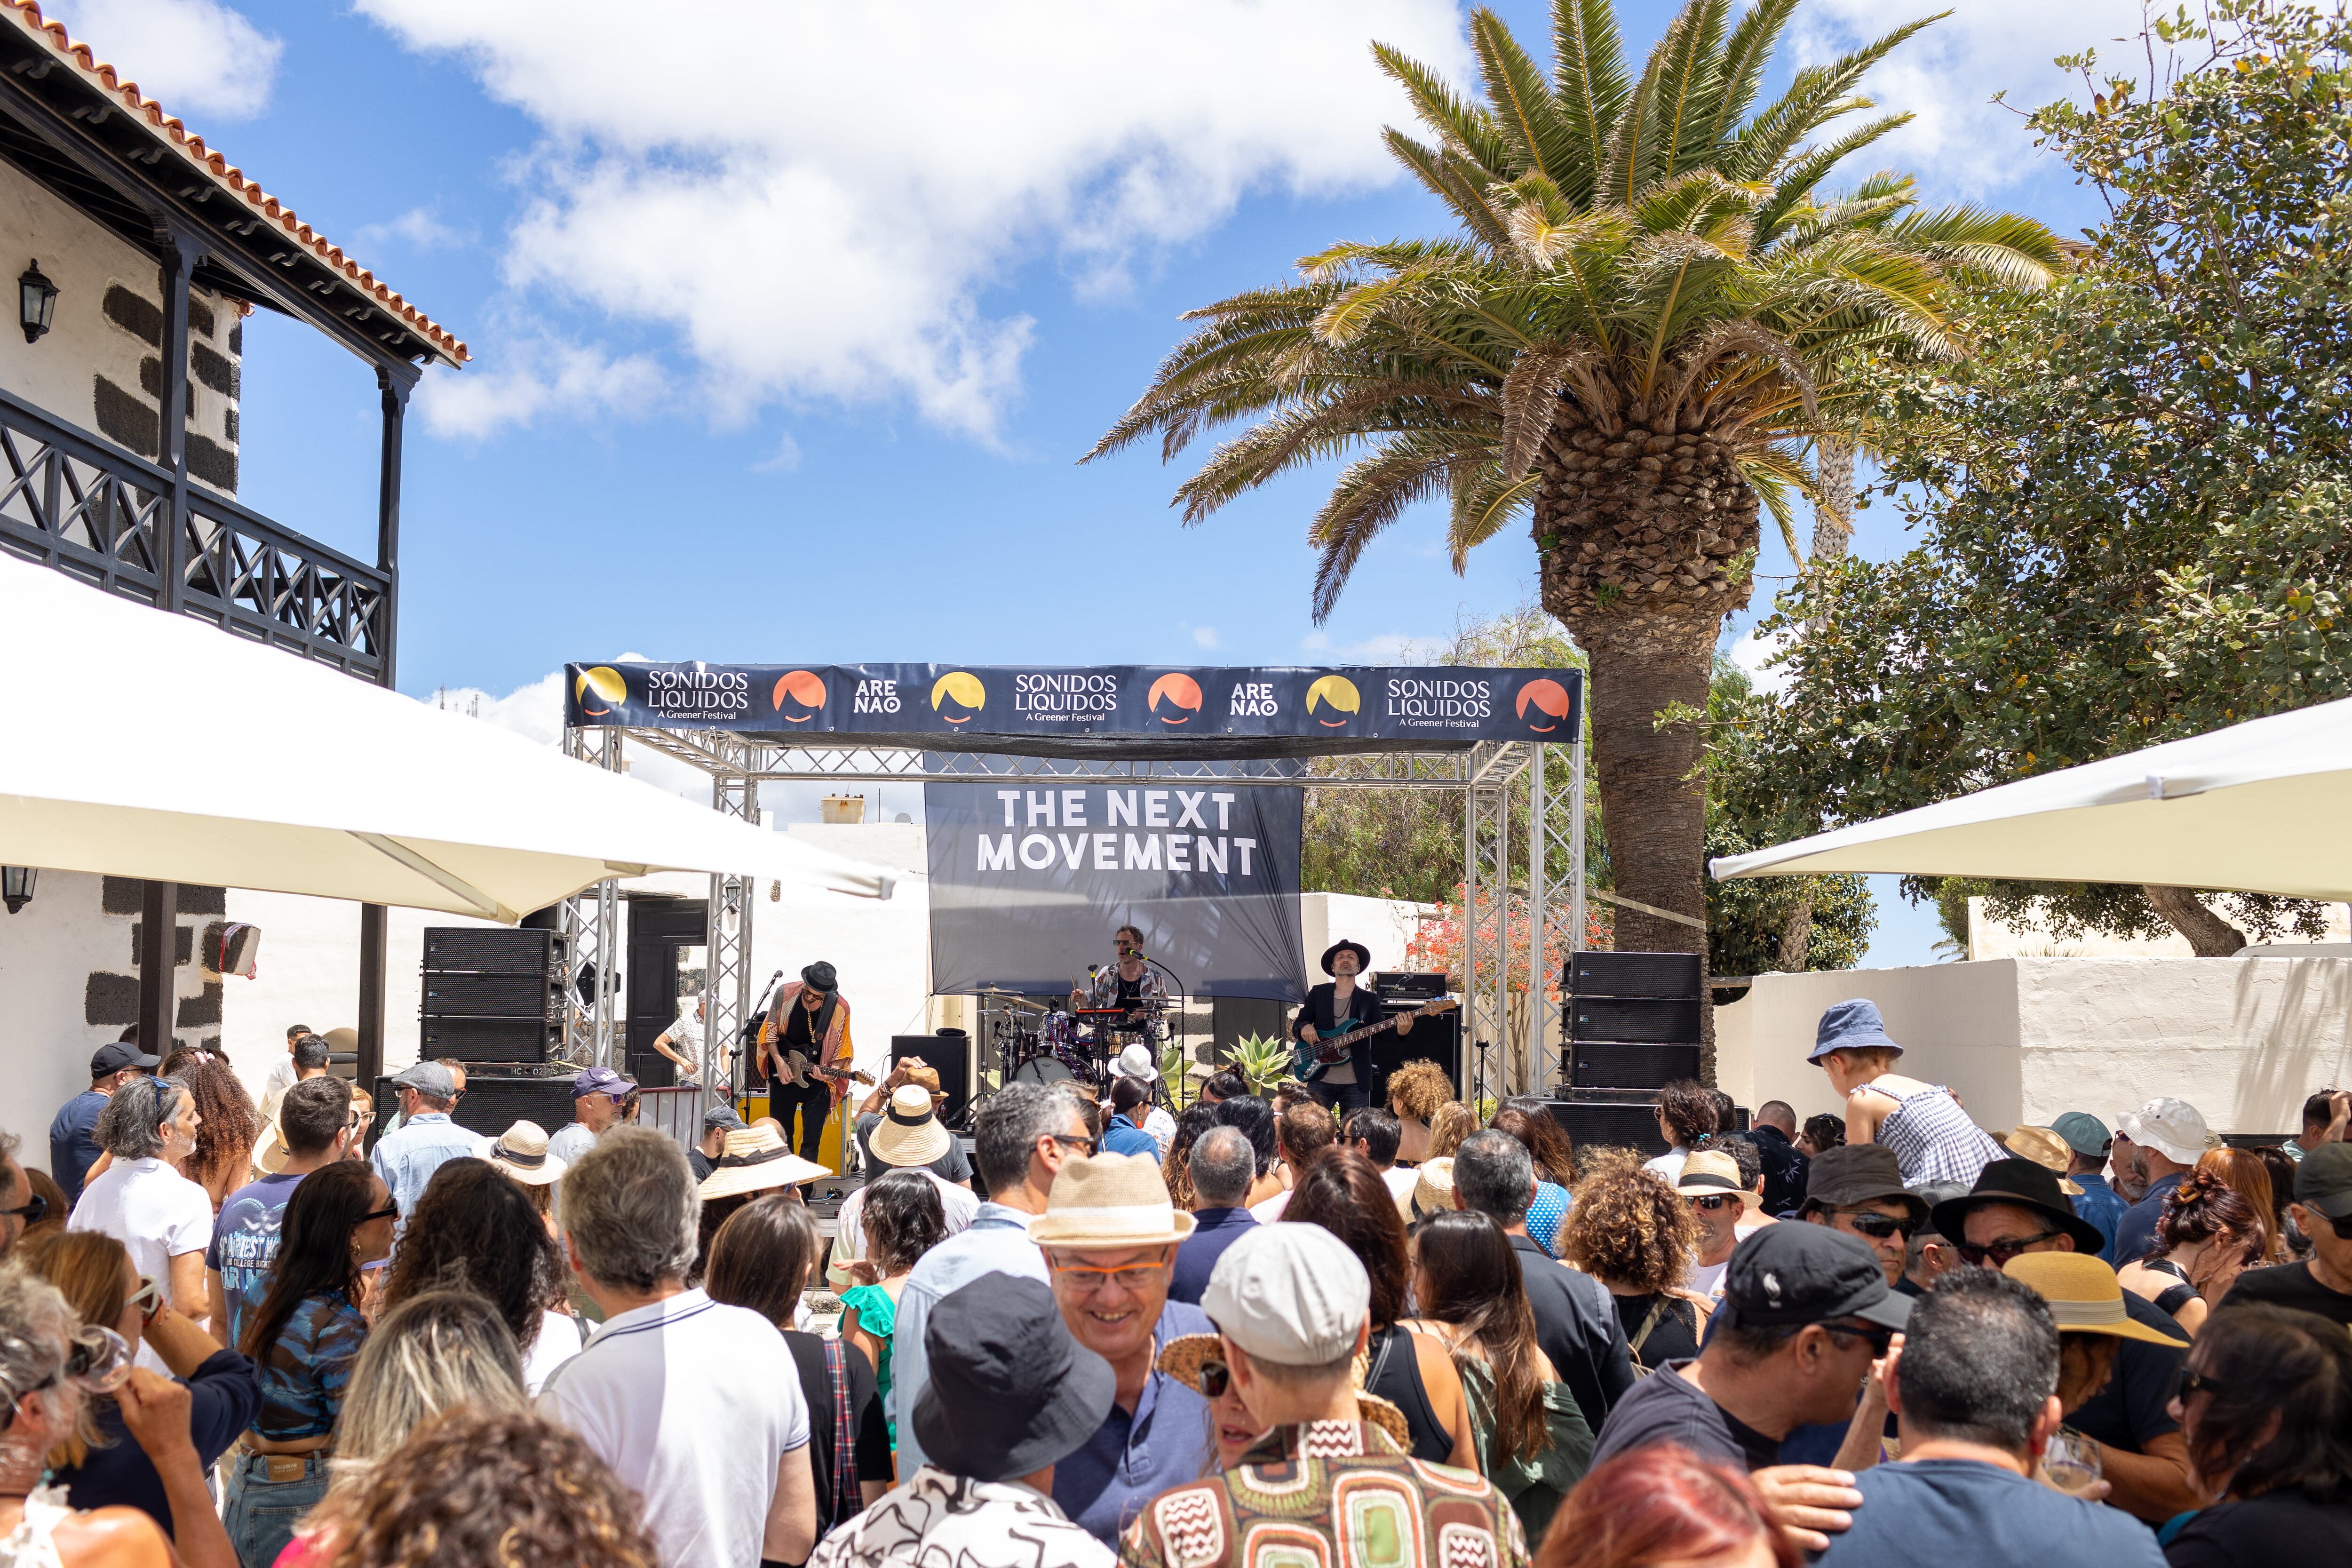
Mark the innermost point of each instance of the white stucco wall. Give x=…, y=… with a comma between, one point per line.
x=1383, y=925
x=2023, y=1039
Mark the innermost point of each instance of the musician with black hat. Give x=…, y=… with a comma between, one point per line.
x=804, y=1052
x=1340, y=1007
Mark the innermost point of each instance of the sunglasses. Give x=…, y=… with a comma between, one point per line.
x=1998, y=1253
x=1214, y=1379
x=98, y=1360
x=33, y=1209
x=1875, y=1226
x=2198, y=1382
x=1880, y=1340
x=2342, y=1227
x=147, y=1297
x=1710, y=1205
x=388, y=1212
x=1090, y=1145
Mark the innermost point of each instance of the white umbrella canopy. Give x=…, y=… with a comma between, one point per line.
x=150, y=745
x=2262, y=806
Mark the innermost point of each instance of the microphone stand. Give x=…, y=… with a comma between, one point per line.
x=751, y=1035
x=1184, y=1003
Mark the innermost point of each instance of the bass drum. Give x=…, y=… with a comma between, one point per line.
x=1042, y=1070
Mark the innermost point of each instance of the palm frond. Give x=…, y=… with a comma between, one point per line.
x=1794, y=186
x=1817, y=95
x=1451, y=176
x=1691, y=83
x=1590, y=86
x=1486, y=498
x=1524, y=109
x=1772, y=474
x=1745, y=54
x=1459, y=122
x=1371, y=493
x=1531, y=399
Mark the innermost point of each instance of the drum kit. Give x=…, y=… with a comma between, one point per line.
x=1036, y=1042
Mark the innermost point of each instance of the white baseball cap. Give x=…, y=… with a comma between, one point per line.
x=1136, y=1062
x=1289, y=1293
x=2173, y=1127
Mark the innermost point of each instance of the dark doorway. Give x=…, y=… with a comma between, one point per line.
x=663, y=936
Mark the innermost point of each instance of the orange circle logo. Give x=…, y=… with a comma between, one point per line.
x=804, y=690
x=1180, y=691
x=1550, y=700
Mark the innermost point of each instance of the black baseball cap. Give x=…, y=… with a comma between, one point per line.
x=2324, y=1181
x=115, y=1055
x=1790, y=1274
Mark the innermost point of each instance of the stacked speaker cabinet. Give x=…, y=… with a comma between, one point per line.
x=492, y=995
x=1631, y=1020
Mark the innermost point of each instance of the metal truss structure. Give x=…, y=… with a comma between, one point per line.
x=1496, y=778
x=592, y=932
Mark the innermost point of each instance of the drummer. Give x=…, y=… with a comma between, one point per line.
x=1128, y=984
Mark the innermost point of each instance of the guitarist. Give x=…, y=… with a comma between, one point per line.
x=806, y=1056
x=1334, y=1009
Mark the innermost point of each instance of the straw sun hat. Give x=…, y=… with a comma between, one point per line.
x=756, y=1160
x=2046, y=1149
x=1432, y=1188
x=521, y=1152
x=2083, y=1295
x=1186, y=1355
x=1108, y=1201
x=910, y=1133
x=1707, y=1174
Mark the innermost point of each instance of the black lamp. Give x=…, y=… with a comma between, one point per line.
x=36, y=303
x=16, y=886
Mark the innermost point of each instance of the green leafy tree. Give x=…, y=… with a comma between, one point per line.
x=2134, y=498
x=1628, y=340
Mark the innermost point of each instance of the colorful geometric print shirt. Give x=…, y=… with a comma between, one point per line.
x=1329, y=1491
x=305, y=1372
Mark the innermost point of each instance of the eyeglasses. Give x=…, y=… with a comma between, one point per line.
x=2342, y=1227
x=1875, y=1226
x=1880, y=1339
x=32, y=1209
x=1089, y=1144
x=1710, y=1205
x=1088, y=1279
x=98, y=1360
x=2198, y=1382
x=1998, y=1253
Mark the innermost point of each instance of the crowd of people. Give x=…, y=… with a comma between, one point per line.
x=1264, y=1328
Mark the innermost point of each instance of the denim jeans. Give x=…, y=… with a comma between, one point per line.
x=261, y=1514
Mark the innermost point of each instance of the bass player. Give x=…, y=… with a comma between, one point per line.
x=806, y=1053
x=1335, y=1010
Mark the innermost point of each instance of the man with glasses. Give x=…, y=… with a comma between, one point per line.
x=1109, y=1234
x=1806, y=1313
x=426, y=1139
x=2323, y=1211
x=1720, y=1201
x=1857, y=1188
x=2016, y=1208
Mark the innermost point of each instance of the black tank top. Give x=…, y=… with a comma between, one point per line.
x=1395, y=1376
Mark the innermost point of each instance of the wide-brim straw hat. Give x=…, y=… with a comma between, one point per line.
x=756, y=1160
x=1707, y=1174
x=1432, y=1188
x=2044, y=1148
x=270, y=1150
x=1109, y=1201
x=2084, y=1296
x=521, y=1152
x=1184, y=1355
x=910, y=1133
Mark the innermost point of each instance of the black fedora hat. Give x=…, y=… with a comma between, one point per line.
x=820, y=976
x=1010, y=1390
x=1363, y=955
x=2021, y=1183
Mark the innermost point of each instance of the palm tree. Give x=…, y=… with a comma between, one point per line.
x=1640, y=326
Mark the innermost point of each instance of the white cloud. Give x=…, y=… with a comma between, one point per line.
x=536, y=711
x=1206, y=637
x=1947, y=76
x=785, y=459
x=193, y=57
x=418, y=228
x=1752, y=652
x=533, y=376
x=818, y=199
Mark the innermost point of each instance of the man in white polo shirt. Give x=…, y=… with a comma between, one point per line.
x=694, y=1403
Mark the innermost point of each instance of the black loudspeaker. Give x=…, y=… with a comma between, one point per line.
x=1604, y=974
x=531, y=1040
x=1611, y=1066
x=496, y=1101
x=1436, y=1038
x=490, y=952
x=1643, y=1020
x=469, y=996
x=1591, y=1124
x=950, y=1058
x=492, y=995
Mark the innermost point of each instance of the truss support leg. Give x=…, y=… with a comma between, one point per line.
x=592, y=932
x=727, y=984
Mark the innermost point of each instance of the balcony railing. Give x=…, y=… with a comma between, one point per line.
x=93, y=511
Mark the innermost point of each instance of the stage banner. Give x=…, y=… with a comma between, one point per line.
x=1028, y=883
x=1425, y=703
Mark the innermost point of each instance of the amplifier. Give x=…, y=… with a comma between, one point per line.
x=492, y=951
x=1437, y=1040
x=1605, y=1065
x=1604, y=974
x=949, y=1056
x=471, y=995
x=494, y=1101
x=1414, y=984
x=489, y=1039
x=1657, y=1021
x=1593, y=1124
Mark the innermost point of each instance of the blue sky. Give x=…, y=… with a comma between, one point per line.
x=790, y=322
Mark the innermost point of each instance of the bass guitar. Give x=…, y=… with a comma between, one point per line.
x=1313, y=1058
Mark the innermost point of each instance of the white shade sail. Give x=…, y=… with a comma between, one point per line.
x=142, y=744
x=2261, y=806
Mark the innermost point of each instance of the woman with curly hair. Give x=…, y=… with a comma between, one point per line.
x=2250, y=1178
x=475, y=1229
x=224, y=1158
x=1415, y=1091
x=1687, y=1116
x=1531, y=1122
x=1630, y=1231
x=2206, y=1236
x=481, y=1485
x=1821, y=1133
x=1451, y=1122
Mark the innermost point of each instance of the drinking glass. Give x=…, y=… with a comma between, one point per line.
x=2072, y=1461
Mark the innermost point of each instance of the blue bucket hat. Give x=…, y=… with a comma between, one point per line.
x=1851, y=1026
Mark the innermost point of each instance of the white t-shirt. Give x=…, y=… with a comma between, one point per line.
x=958, y=1205
x=571, y=1140
x=694, y=1403
x=1707, y=1278
x=1270, y=1210
x=1668, y=1165
x=274, y=1086
x=156, y=1212
x=558, y=1342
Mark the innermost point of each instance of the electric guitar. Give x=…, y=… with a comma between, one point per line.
x=1313, y=1058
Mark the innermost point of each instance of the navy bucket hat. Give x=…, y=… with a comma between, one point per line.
x=1851, y=1026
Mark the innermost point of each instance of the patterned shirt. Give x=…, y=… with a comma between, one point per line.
x=1329, y=1491
x=305, y=1372
x=936, y=1518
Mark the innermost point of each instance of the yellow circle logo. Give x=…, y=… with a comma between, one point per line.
x=958, y=689
x=1338, y=693
x=606, y=684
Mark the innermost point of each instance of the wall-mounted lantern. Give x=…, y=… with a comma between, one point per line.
x=36, y=302
x=16, y=887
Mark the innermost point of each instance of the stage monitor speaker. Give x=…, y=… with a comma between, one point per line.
x=1604, y=974
x=528, y=1040
x=1595, y=1125
x=1437, y=1038
x=1601, y=1064
x=473, y=995
x=1635, y=1020
x=483, y=951
x=949, y=1056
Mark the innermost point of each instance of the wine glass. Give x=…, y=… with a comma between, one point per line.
x=2071, y=1462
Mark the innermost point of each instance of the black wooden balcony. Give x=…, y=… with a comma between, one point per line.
x=77, y=502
